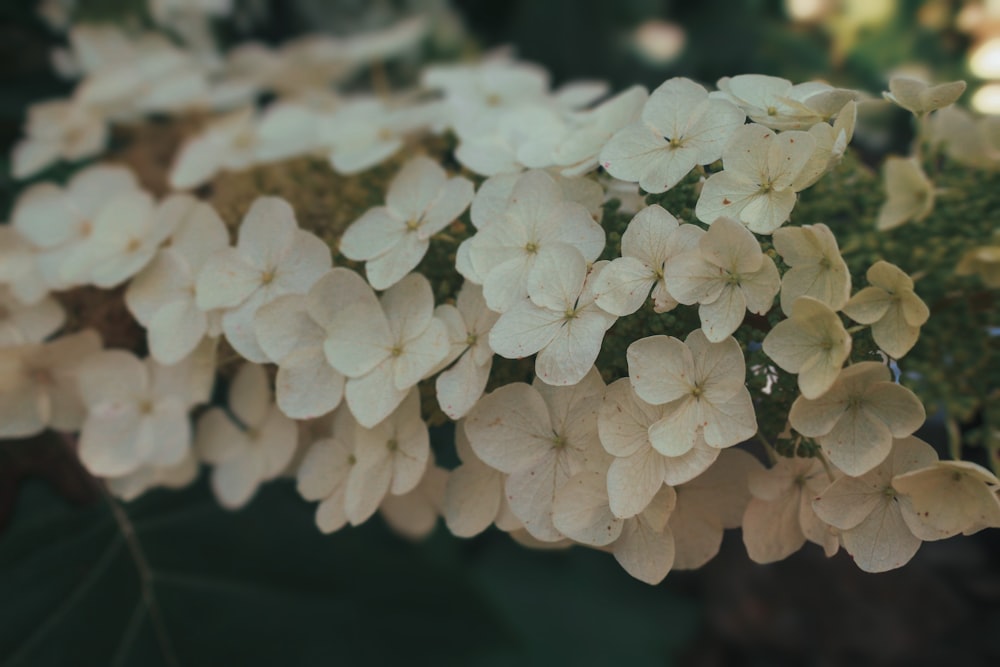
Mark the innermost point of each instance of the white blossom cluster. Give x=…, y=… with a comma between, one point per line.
x=645, y=467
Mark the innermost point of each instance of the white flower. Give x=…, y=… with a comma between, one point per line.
x=639, y=471
x=540, y=436
x=817, y=267
x=831, y=145
x=38, y=384
x=254, y=448
x=870, y=515
x=919, y=97
x=162, y=296
x=812, y=342
x=126, y=235
x=523, y=137
x=590, y=130
x=474, y=496
x=227, y=143
x=536, y=217
x=680, y=128
x=385, y=346
x=272, y=257
x=323, y=473
x=651, y=239
x=707, y=505
x=909, y=193
x=28, y=323
x=137, y=411
x=891, y=307
x=948, y=498
x=19, y=269
x=59, y=220
x=392, y=239
x=134, y=484
x=701, y=386
x=364, y=132
x=758, y=184
x=391, y=458
x=469, y=322
x=414, y=514
x=856, y=420
x=727, y=274
x=779, y=105
x=292, y=331
x=643, y=544
x=58, y=130
x=559, y=320
x=780, y=517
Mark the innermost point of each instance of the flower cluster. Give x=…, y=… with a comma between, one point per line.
x=348, y=351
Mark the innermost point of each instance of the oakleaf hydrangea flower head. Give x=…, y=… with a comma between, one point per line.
x=871, y=515
x=651, y=239
x=680, y=128
x=812, y=342
x=559, y=320
x=856, y=420
x=700, y=383
x=817, y=268
x=272, y=257
x=759, y=180
x=392, y=239
x=590, y=130
x=891, y=307
x=255, y=447
x=727, y=274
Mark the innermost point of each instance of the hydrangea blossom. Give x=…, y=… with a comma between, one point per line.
x=38, y=384
x=162, y=297
x=537, y=217
x=891, y=307
x=559, y=320
x=652, y=238
x=909, y=193
x=539, y=436
x=324, y=470
x=383, y=346
x=817, y=268
x=919, y=97
x=869, y=513
x=727, y=274
x=474, y=496
x=759, y=180
x=779, y=105
x=28, y=323
x=948, y=498
x=272, y=257
x=700, y=385
x=780, y=517
x=680, y=128
x=856, y=420
x=254, y=446
x=469, y=322
x=392, y=239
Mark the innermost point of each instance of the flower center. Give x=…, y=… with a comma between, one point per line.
x=267, y=277
x=570, y=314
x=396, y=351
x=531, y=247
x=392, y=445
x=471, y=339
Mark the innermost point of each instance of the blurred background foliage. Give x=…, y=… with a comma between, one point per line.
x=263, y=587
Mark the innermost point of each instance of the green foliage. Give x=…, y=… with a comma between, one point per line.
x=263, y=587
